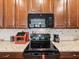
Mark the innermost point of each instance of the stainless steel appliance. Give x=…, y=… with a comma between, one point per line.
x=56, y=38
x=40, y=47
x=43, y=20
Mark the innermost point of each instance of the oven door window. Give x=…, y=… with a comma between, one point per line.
x=37, y=23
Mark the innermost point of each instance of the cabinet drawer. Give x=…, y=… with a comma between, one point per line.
x=10, y=55
x=70, y=55
x=76, y=55
x=66, y=55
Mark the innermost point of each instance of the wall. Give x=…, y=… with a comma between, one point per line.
x=64, y=34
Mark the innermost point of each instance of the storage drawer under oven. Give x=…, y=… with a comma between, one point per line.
x=39, y=55
x=32, y=55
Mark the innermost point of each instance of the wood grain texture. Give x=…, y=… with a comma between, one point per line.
x=72, y=14
x=9, y=13
x=59, y=12
x=1, y=13
x=21, y=12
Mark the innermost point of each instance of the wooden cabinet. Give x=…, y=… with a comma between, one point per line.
x=11, y=55
x=78, y=12
x=66, y=13
x=9, y=13
x=14, y=13
x=60, y=13
x=52, y=6
x=34, y=5
x=72, y=13
x=1, y=13
x=41, y=6
x=66, y=55
x=69, y=55
x=46, y=6
x=21, y=12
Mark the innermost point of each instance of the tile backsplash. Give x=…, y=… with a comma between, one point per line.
x=64, y=34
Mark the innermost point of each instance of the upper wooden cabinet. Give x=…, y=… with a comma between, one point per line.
x=52, y=6
x=14, y=13
x=60, y=13
x=34, y=6
x=72, y=13
x=21, y=12
x=78, y=12
x=42, y=6
x=9, y=13
x=1, y=13
x=45, y=6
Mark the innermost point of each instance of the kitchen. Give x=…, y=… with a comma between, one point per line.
x=65, y=24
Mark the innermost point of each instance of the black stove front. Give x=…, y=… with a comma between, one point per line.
x=40, y=47
x=40, y=41
x=41, y=53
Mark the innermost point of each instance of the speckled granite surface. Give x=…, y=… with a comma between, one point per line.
x=63, y=46
x=12, y=47
x=68, y=46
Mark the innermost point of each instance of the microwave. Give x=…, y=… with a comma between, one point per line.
x=43, y=20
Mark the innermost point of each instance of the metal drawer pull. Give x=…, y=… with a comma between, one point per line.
x=6, y=55
x=75, y=55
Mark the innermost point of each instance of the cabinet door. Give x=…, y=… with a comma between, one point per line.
x=21, y=12
x=72, y=14
x=60, y=13
x=52, y=6
x=45, y=6
x=1, y=13
x=11, y=55
x=34, y=5
x=42, y=6
x=9, y=13
x=66, y=55
x=78, y=12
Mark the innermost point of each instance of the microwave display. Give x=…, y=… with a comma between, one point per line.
x=40, y=20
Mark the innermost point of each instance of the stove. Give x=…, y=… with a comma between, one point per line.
x=40, y=47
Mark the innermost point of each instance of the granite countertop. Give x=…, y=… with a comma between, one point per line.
x=67, y=46
x=63, y=46
x=12, y=47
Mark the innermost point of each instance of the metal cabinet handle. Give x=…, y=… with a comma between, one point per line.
x=75, y=55
x=6, y=55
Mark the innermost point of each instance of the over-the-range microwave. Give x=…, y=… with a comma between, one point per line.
x=40, y=20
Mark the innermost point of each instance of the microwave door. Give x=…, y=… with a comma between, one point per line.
x=37, y=23
x=37, y=20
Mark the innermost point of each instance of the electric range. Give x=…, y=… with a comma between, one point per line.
x=40, y=47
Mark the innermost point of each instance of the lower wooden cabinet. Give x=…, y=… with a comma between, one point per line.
x=11, y=55
x=69, y=55
x=19, y=55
